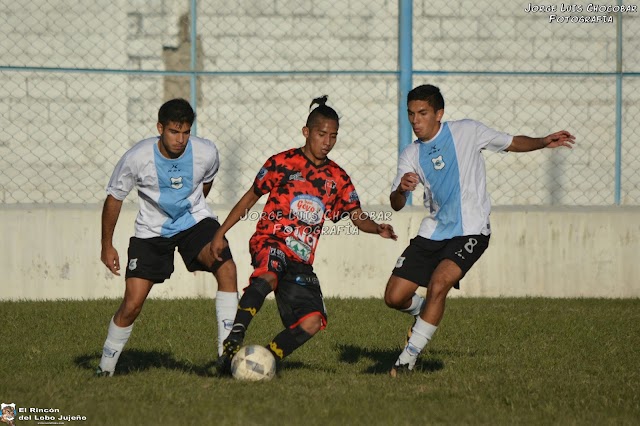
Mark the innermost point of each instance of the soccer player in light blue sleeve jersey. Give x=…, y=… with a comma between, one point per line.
x=173, y=173
x=447, y=160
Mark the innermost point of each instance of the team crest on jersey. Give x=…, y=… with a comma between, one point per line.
x=261, y=173
x=275, y=265
x=329, y=184
x=176, y=183
x=133, y=264
x=438, y=162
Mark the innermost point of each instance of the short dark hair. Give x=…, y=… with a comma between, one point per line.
x=323, y=110
x=177, y=111
x=429, y=93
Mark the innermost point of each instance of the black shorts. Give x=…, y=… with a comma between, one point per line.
x=298, y=296
x=298, y=293
x=421, y=258
x=152, y=258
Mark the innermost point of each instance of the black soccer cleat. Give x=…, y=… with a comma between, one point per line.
x=230, y=348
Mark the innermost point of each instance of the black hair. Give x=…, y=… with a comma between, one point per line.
x=177, y=111
x=430, y=94
x=323, y=110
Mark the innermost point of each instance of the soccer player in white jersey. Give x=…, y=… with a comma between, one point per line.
x=173, y=174
x=447, y=160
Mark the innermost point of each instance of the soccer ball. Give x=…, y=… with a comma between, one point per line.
x=253, y=362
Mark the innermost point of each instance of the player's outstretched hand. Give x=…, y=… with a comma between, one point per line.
x=386, y=231
x=111, y=260
x=561, y=138
x=217, y=245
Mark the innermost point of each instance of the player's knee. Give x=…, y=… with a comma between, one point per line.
x=129, y=311
x=394, y=301
x=438, y=288
x=226, y=276
x=312, y=324
x=261, y=286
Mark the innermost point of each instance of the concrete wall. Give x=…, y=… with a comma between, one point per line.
x=52, y=252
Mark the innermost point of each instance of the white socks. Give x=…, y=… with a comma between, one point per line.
x=421, y=334
x=416, y=305
x=117, y=337
x=226, y=307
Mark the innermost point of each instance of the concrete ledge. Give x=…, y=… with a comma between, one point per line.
x=53, y=252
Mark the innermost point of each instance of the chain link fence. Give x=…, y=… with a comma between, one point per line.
x=81, y=85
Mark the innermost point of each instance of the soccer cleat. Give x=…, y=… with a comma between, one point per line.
x=400, y=369
x=100, y=373
x=230, y=347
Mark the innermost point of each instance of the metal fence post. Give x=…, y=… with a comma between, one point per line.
x=405, y=65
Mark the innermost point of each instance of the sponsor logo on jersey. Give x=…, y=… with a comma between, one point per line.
x=274, y=251
x=438, y=163
x=353, y=197
x=299, y=248
x=261, y=173
x=307, y=208
x=176, y=183
x=297, y=176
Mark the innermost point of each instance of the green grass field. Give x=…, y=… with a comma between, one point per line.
x=492, y=361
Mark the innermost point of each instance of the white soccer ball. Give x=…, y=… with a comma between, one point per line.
x=253, y=362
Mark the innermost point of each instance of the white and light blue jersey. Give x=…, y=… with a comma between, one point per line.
x=169, y=190
x=452, y=171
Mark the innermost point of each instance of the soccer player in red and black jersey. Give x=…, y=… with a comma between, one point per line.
x=305, y=188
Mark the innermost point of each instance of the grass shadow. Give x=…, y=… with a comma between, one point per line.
x=382, y=359
x=135, y=360
x=288, y=365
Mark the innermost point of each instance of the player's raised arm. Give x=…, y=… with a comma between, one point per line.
x=242, y=207
x=110, y=213
x=365, y=224
x=523, y=143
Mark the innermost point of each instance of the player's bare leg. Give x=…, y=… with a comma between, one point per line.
x=401, y=294
x=446, y=275
x=121, y=325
